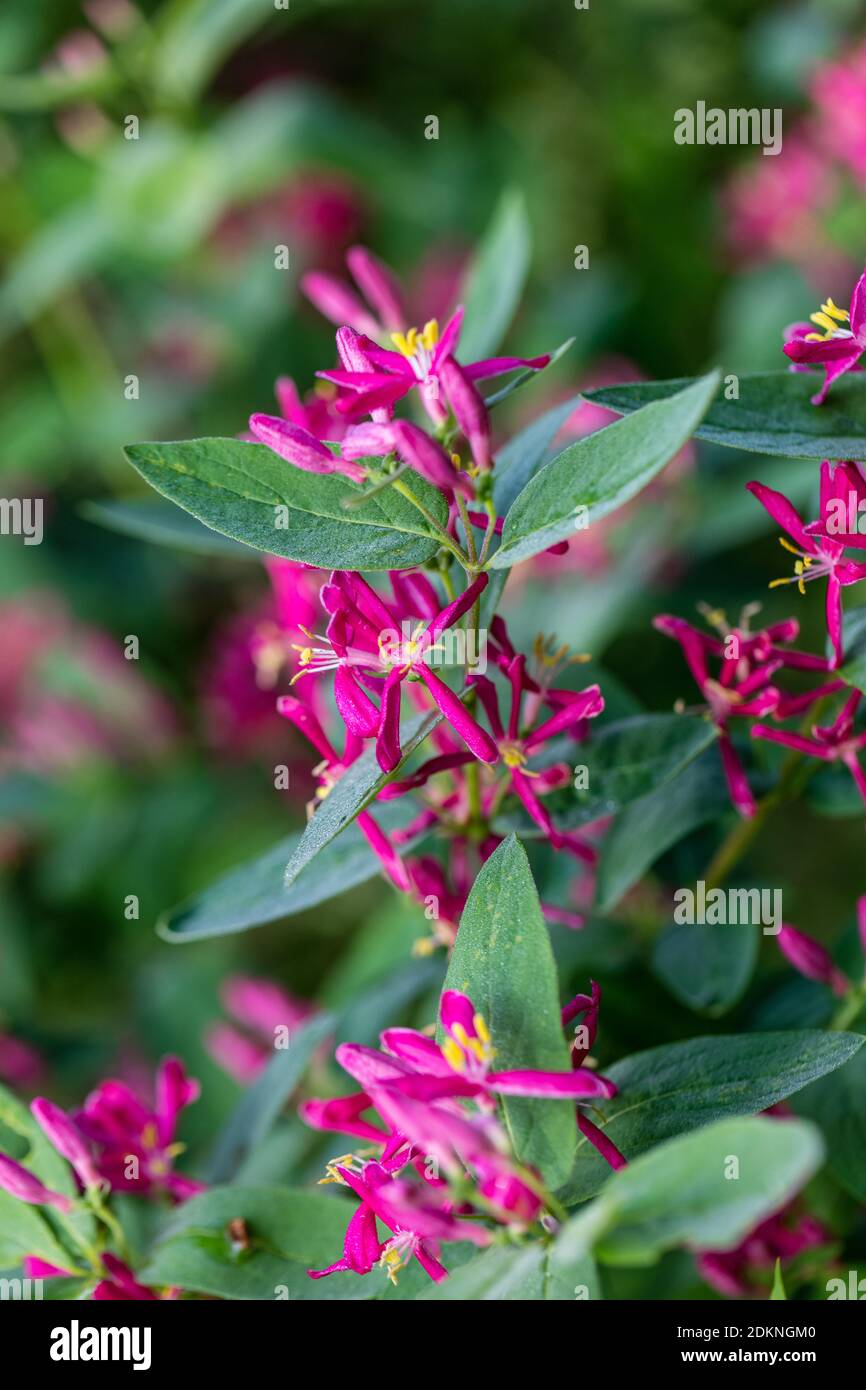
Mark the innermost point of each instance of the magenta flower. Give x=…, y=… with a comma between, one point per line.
x=811, y=959
x=67, y=1139
x=818, y=556
x=383, y=311
x=838, y=347
x=415, y=448
x=426, y=361
x=836, y=742
x=301, y=449
x=517, y=745
x=365, y=646
x=842, y=503
x=742, y=689
x=21, y=1183
x=135, y=1143
x=122, y=1286
x=461, y=1067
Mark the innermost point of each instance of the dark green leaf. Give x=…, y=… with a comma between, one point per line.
x=503, y=960
x=525, y=453
x=705, y=967
x=161, y=523
x=247, y=492
x=600, y=473
x=670, y=1090
x=644, y=830
x=837, y=1104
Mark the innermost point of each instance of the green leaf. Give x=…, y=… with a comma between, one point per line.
x=854, y=641
x=524, y=454
x=503, y=960
x=684, y=1193
x=778, y=1294
x=643, y=831
x=515, y=383
x=773, y=414
x=837, y=1104
x=600, y=473
x=289, y=1231
x=495, y=279
x=707, y=968
x=235, y=487
x=25, y=1231
x=161, y=523
x=356, y=789
x=529, y=1274
x=679, y=1087
x=255, y=892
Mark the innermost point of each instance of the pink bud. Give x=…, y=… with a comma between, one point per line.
x=811, y=959
x=24, y=1185
x=470, y=412
x=67, y=1139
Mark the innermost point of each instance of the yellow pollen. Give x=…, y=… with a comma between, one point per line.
x=149, y=1136
x=342, y=1161
x=512, y=756
x=454, y=1055
x=828, y=307
x=409, y=343
x=828, y=317
x=480, y=1025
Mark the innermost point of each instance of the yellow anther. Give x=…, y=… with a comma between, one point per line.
x=453, y=1055
x=512, y=756
x=401, y=343
x=430, y=334
x=455, y=459
x=828, y=307
x=342, y=1161
x=149, y=1136
x=423, y=946
x=479, y=1023
x=792, y=549
x=824, y=321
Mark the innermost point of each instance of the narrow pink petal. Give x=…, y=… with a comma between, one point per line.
x=599, y=1140
x=388, y=750
x=357, y=710
x=565, y=1085
x=378, y=283
x=784, y=513
x=337, y=302
x=477, y=740
x=497, y=366
x=419, y=1051
x=738, y=786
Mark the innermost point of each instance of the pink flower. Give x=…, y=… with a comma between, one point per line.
x=374, y=378
x=811, y=959
x=21, y=1183
x=836, y=742
x=838, y=347
x=376, y=282
x=67, y=1139
x=20, y=1064
x=135, y=1143
x=818, y=556
x=122, y=1286
x=742, y=689
x=365, y=648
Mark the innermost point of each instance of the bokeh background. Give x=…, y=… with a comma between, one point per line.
x=155, y=258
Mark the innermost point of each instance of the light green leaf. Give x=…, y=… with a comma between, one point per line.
x=525, y=453
x=686, y=1193
x=495, y=279
x=503, y=960
x=236, y=487
x=600, y=473
x=679, y=1087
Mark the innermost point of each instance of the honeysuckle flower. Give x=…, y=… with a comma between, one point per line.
x=517, y=745
x=424, y=360
x=330, y=770
x=818, y=556
x=414, y=446
x=842, y=503
x=462, y=1066
x=743, y=689
x=840, y=344
x=134, y=1143
x=21, y=1183
x=836, y=742
x=315, y=412
x=301, y=449
x=364, y=642
x=376, y=282
x=64, y=1134
x=810, y=958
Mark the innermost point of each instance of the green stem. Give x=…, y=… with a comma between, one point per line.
x=441, y=533
x=849, y=1009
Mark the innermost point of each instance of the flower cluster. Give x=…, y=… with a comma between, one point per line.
x=441, y=1172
